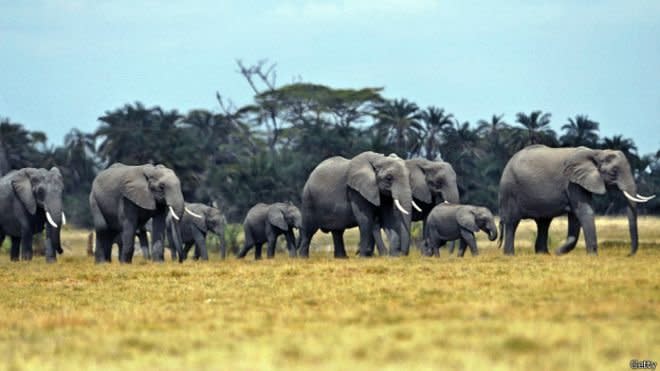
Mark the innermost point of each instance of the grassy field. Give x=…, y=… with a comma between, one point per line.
x=490, y=312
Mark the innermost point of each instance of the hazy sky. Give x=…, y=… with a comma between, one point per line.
x=64, y=62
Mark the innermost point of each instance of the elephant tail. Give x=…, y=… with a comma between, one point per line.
x=501, y=237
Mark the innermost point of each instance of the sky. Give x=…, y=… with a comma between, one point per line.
x=63, y=63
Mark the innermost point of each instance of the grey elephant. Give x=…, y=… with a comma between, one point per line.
x=431, y=182
x=368, y=191
x=29, y=199
x=194, y=229
x=265, y=222
x=124, y=198
x=541, y=183
x=449, y=222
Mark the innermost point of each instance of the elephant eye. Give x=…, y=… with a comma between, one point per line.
x=389, y=177
x=161, y=186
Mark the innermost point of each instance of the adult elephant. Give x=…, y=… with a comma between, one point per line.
x=195, y=228
x=541, y=183
x=124, y=198
x=29, y=199
x=366, y=191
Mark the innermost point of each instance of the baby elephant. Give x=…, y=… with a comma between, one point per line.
x=448, y=222
x=195, y=227
x=264, y=223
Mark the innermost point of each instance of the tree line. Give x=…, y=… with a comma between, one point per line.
x=236, y=156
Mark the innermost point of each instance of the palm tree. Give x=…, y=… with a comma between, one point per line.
x=398, y=120
x=17, y=146
x=538, y=128
x=580, y=131
x=80, y=152
x=434, y=119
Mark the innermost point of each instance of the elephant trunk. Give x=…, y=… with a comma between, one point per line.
x=175, y=204
x=53, y=209
x=626, y=183
x=402, y=197
x=450, y=194
x=491, y=229
x=175, y=233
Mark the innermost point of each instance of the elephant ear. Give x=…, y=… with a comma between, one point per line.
x=362, y=178
x=420, y=188
x=581, y=169
x=199, y=223
x=135, y=187
x=466, y=219
x=23, y=189
x=276, y=218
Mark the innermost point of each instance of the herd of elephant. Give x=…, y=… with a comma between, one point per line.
x=372, y=191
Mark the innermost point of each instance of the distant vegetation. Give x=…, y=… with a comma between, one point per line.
x=264, y=151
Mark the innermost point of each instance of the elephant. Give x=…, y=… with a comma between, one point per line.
x=431, y=182
x=265, y=222
x=29, y=200
x=369, y=191
x=541, y=183
x=449, y=222
x=194, y=229
x=124, y=198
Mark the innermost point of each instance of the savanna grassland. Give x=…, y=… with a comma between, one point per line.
x=488, y=312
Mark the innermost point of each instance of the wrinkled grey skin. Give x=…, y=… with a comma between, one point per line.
x=124, y=198
x=431, y=182
x=448, y=222
x=266, y=222
x=25, y=197
x=342, y=193
x=541, y=183
x=193, y=230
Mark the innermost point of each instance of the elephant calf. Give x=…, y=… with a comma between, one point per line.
x=264, y=223
x=194, y=229
x=448, y=222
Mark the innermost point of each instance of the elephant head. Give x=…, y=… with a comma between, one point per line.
x=149, y=186
x=41, y=189
x=285, y=216
x=211, y=219
x=474, y=219
x=377, y=177
x=432, y=181
x=599, y=170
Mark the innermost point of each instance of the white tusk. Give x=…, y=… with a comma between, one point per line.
x=632, y=198
x=398, y=206
x=445, y=202
x=193, y=214
x=645, y=197
x=416, y=207
x=63, y=218
x=174, y=214
x=50, y=220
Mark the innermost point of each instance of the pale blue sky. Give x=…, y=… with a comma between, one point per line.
x=64, y=62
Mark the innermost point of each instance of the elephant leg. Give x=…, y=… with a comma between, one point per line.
x=223, y=247
x=127, y=245
x=338, y=242
x=461, y=248
x=51, y=256
x=270, y=249
x=99, y=250
x=380, y=244
x=572, y=235
x=158, y=228
x=144, y=244
x=509, y=236
x=26, y=244
x=257, y=251
x=451, y=247
x=542, y=227
x=15, y=250
x=306, y=235
x=291, y=243
x=467, y=238
x=200, y=244
x=436, y=248
x=186, y=249
x=247, y=245
x=585, y=216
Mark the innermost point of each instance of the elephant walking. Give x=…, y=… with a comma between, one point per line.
x=29, y=200
x=541, y=183
x=124, y=198
x=449, y=222
x=368, y=191
x=264, y=223
x=195, y=228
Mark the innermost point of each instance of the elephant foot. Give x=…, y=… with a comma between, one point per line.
x=51, y=260
x=592, y=253
x=341, y=257
x=543, y=252
x=560, y=252
x=509, y=253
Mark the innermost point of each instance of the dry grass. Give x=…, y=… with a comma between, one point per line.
x=490, y=312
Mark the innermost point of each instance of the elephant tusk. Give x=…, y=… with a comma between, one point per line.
x=416, y=207
x=193, y=214
x=398, y=206
x=445, y=202
x=63, y=218
x=50, y=220
x=633, y=198
x=173, y=214
x=646, y=198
